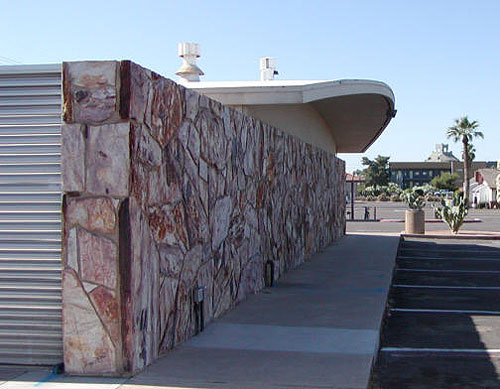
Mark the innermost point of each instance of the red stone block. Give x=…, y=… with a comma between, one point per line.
x=98, y=259
x=93, y=214
x=107, y=308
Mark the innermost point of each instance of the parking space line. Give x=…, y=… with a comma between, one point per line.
x=449, y=271
x=451, y=251
x=442, y=350
x=439, y=311
x=446, y=287
x=417, y=258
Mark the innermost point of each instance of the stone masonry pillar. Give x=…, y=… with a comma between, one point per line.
x=95, y=165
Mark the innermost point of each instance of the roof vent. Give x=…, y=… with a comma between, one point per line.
x=267, y=69
x=189, y=71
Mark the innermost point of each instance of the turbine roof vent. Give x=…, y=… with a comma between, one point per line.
x=267, y=69
x=189, y=71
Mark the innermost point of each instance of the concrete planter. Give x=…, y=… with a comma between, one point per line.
x=414, y=221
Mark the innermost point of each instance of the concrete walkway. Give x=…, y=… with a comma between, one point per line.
x=318, y=327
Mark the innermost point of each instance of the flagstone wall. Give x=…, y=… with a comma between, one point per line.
x=165, y=191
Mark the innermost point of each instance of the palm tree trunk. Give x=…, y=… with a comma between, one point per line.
x=465, y=142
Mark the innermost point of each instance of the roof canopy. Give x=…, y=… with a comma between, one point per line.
x=355, y=112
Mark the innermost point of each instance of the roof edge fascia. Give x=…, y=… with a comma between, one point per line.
x=296, y=92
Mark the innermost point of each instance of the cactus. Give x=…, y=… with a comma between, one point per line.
x=453, y=212
x=415, y=199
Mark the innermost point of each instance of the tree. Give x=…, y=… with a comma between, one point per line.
x=472, y=153
x=446, y=181
x=464, y=131
x=358, y=172
x=471, y=157
x=377, y=171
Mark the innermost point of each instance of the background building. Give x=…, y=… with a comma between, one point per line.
x=441, y=154
x=483, y=187
x=410, y=174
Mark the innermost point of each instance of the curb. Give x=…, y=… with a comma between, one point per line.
x=469, y=235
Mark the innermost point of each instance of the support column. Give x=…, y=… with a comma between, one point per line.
x=95, y=172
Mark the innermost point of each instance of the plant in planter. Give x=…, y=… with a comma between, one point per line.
x=437, y=214
x=453, y=212
x=415, y=216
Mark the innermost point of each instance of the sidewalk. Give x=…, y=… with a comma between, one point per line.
x=318, y=327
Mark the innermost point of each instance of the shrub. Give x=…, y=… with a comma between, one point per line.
x=446, y=181
x=361, y=189
x=426, y=189
x=453, y=212
x=396, y=197
x=437, y=214
x=376, y=190
x=393, y=188
x=370, y=198
x=382, y=197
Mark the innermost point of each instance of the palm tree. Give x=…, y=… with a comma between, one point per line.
x=472, y=156
x=464, y=131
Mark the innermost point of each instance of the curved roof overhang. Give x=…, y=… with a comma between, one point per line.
x=355, y=111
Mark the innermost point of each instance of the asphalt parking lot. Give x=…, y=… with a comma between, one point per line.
x=386, y=211
x=442, y=328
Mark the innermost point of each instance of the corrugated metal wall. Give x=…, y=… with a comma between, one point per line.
x=30, y=217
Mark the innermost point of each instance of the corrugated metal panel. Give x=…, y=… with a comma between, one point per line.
x=30, y=215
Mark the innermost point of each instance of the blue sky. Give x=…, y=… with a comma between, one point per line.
x=441, y=58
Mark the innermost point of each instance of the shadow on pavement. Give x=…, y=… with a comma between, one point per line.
x=442, y=328
x=338, y=296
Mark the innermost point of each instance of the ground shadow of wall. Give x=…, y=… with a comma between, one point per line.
x=442, y=318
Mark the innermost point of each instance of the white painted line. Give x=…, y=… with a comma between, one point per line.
x=441, y=350
x=458, y=250
x=464, y=311
x=450, y=271
x=447, y=287
x=414, y=257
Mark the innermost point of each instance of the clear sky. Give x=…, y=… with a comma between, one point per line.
x=441, y=58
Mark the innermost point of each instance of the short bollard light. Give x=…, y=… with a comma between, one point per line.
x=269, y=274
x=198, y=298
x=199, y=294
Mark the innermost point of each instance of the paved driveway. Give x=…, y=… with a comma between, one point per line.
x=489, y=218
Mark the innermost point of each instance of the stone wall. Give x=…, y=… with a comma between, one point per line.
x=166, y=191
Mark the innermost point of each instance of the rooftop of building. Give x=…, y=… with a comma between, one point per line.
x=355, y=112
x=344, y=116
x=439, y=165
x=350, y=177
x=489, y=175
x=441, y=154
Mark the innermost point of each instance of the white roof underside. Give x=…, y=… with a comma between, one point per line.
x=356, y=111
